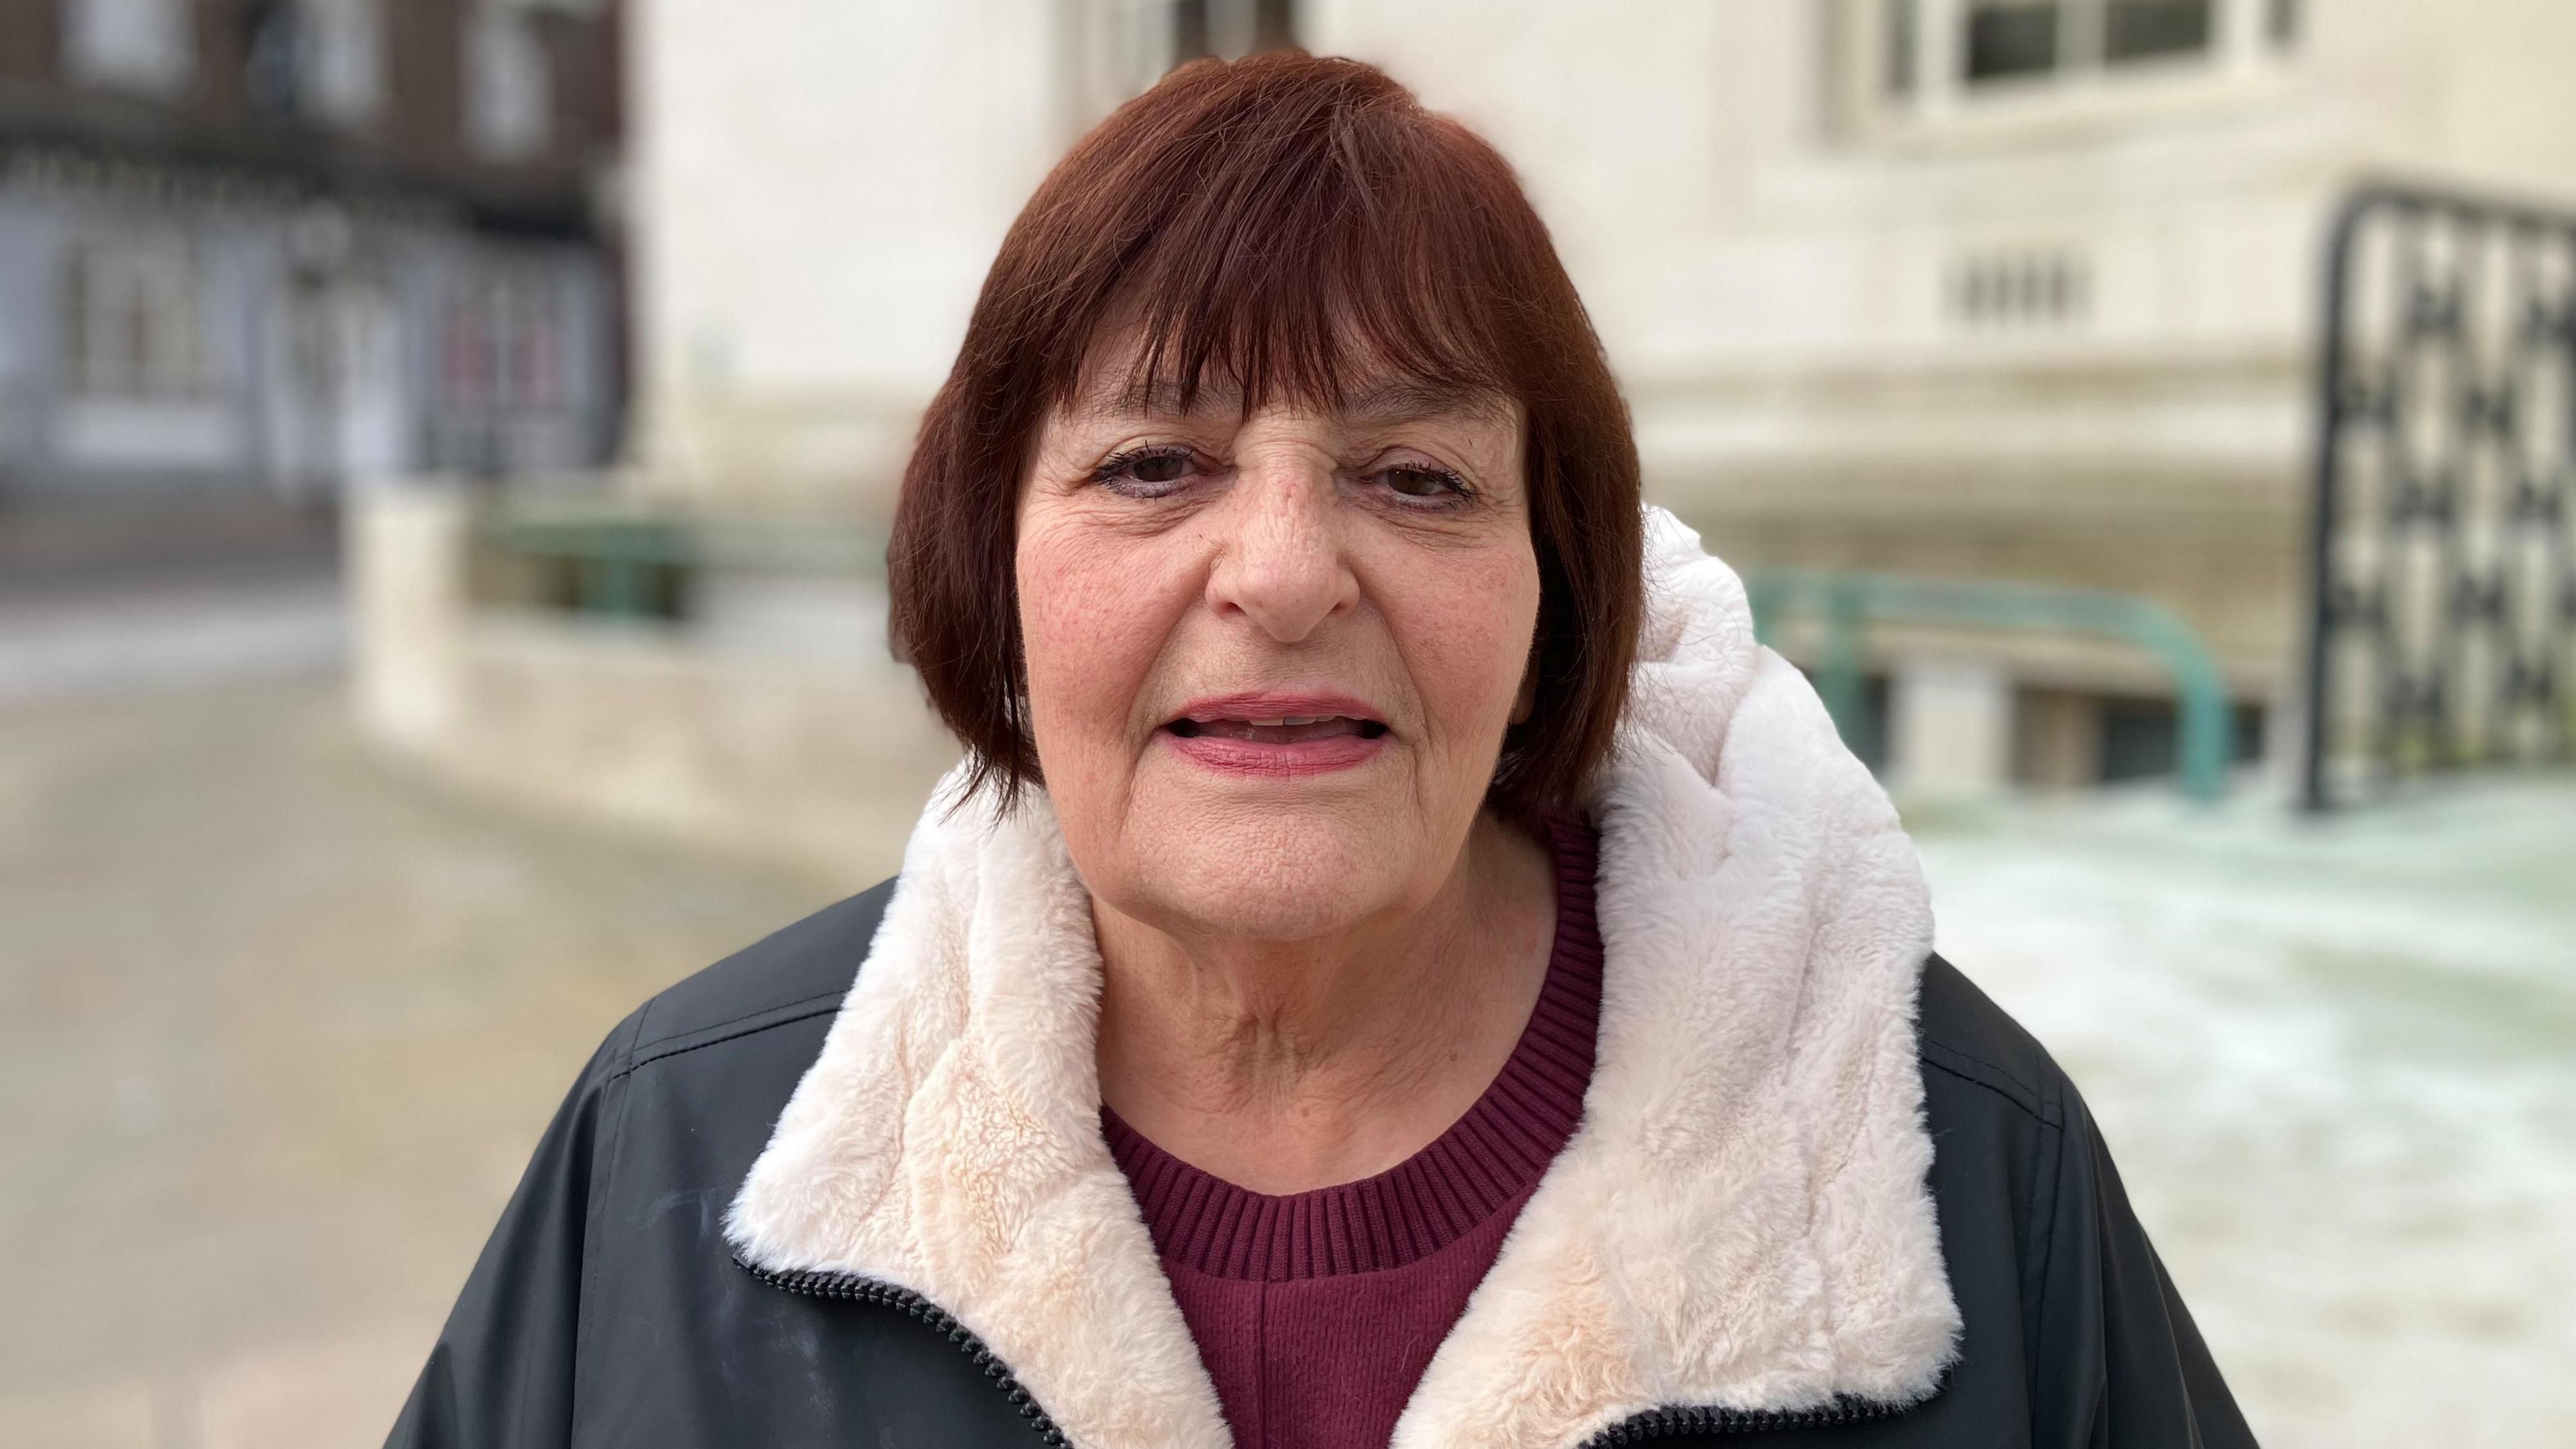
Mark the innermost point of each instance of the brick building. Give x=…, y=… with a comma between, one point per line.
x=253, y=249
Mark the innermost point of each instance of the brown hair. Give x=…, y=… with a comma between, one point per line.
x=1284, y=220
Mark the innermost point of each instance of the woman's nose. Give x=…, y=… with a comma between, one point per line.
x=1282, y=565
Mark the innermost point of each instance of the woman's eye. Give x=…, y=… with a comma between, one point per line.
x=1148, y=474
x=1428, y=484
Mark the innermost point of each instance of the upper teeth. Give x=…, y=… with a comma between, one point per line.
x=1289, y=719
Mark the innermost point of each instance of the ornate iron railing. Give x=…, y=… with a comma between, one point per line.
x=2443, y=554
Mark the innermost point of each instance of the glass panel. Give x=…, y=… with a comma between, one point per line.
x=1189, y=30
x=508, y=89
x=466, y=370
x=2285, y=22
x=146, y=44
x=273, y=73
x=135, y=323
x=1274, y=25
x=1897, y=21
x=344, y=77
x=2144, y=29
x=1230, y=29
x=2009, y=38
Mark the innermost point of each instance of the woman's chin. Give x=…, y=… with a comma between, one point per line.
x=1278, y=875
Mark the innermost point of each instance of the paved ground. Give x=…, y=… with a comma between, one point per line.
x=2337, y=1064
x=98, y=602
x=277, y=1029
x=278, y=1024
x=172, y=637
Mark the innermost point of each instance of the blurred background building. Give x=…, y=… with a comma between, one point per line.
x=1947, y=290
x=1985, y=336
x=251, y=250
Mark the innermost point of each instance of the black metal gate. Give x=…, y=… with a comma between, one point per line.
x=2444, y=551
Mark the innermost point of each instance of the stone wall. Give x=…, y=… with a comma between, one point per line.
x=814, y=756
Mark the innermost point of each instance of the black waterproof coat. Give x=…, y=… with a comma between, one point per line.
x=608, y=1309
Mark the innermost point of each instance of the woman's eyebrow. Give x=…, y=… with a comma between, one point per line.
x=1375, y=403
x=1152, y=398
x=1412, y=401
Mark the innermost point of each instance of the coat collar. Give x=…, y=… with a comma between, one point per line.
x=1742, y=1220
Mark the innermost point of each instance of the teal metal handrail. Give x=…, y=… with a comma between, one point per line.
x=617, y=555
x=1847, y=602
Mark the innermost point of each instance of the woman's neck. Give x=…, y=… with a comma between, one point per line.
x=1282, y=1067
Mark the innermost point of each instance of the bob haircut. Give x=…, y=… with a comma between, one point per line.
x=1285, y=223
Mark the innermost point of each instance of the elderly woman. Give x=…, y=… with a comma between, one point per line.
x=1399, y=964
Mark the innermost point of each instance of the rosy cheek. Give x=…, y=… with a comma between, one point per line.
x=1092, y=626
x=1464, y=630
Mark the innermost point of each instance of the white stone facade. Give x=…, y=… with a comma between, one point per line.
x=1870, y=312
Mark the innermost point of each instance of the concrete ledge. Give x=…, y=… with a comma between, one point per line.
x=817, y=758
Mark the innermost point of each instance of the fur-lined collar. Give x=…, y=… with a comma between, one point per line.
x=1741, y=1220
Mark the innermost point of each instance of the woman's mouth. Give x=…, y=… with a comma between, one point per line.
x=1283, y=730
x=1277, y=737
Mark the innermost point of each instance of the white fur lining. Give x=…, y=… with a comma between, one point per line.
x=1741, y=1220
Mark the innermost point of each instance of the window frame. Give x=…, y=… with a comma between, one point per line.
x=143, y=46
x=2247, y=60
x=508, y=113
x=136, y=320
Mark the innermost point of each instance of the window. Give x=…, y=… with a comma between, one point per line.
x=1123, y=46
x=343, y=60
x=466, y=370
x=1899, y=20
x=509, y=95
x=316, y=60
x=145, y=45
x=273, y=63
x=503, y=345
x=1230, y=28
x=2013, y=38
x=2144, y=29
x=134, y=323
x=1925, y=52
x=532, y=344
x=2008, y=38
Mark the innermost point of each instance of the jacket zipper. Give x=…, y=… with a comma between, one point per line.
x=1656, y=1424
x=1664, y=1423
x=850, y=1288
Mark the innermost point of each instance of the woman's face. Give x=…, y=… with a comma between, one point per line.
x=1271, y=657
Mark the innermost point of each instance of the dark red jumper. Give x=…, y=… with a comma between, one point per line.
x=1317, y=1312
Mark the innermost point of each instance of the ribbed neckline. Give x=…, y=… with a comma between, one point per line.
x=1490, y=1157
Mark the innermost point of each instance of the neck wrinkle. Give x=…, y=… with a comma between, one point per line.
x=1391, y=1060
x=1487, y=1161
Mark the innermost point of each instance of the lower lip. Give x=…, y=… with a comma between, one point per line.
x=1307, y=757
